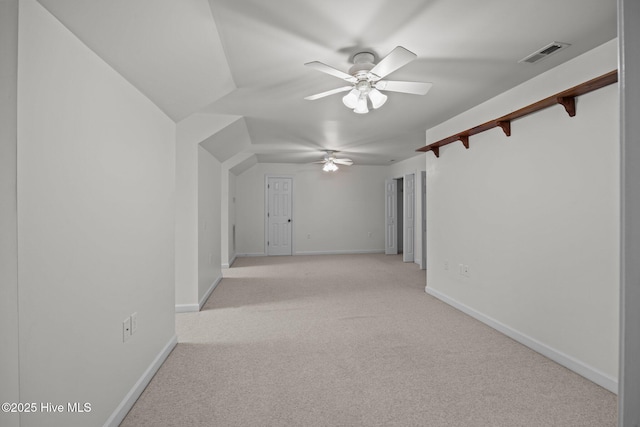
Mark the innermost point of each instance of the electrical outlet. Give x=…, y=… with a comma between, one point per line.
x=446, y=264
x=134, y=323
x=465, y=270
x=126, y=329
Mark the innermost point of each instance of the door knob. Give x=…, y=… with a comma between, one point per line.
x=289, y=220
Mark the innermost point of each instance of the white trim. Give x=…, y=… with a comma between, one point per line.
x=423, y=220
x=629, y=87
x=580, y=368
x=340, y=252
x=230, y=263
x=127, y=403
x=187, y=308
x=345, y=252
x=208, y=293
x=406, y=256
x=191, y=308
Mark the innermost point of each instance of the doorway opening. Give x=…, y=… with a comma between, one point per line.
x=400, y=214
x=400, y=217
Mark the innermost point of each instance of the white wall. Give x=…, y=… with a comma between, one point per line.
x=209, y=273
x=410, y=165
x=536, y=218
x=96, y=220
x=238, y=163
x=232, y=216
x=189, y=134
x=228, y=217
x=335, y=210
x=9, y=358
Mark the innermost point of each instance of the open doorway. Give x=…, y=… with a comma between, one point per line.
x=400, y=213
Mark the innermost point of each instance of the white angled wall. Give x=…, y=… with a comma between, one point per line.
x=189, y=134
x=96, y=225
x=209, y=273
x=228, y=217
x=535, y=216
x=332, y=212
x=9, y=357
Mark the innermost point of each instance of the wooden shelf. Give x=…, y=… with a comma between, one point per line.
x=565, y=98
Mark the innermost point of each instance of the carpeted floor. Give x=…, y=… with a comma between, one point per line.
x=353, y=340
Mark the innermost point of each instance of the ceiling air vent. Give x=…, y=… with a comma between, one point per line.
x=545, y=51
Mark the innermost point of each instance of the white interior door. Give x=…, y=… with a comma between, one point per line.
x=391, y=213
x=409, y=218
x=279, y=218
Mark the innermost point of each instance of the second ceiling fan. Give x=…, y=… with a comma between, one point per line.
x=331, y=162
x=366, y=79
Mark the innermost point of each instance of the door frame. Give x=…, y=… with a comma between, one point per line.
x=266, y=210
x=391, y=243
x=423, y=220
x=409, y=231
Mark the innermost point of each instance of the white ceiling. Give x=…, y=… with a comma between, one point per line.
x=245, y=58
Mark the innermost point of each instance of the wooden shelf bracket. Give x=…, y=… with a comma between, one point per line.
x=505, y=125
x=565, y=98
x=569, y=104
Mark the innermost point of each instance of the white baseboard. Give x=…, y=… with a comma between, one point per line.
x=127, y=403
x=580, y=368
x=191, y=308
x=228, y=265
x=208, y=293
x=187, y=308
x=346, y=252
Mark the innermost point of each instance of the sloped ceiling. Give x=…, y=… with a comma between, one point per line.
x=246, y=58
x=168, y=49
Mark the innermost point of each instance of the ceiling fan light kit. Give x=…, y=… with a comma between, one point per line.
x=366, y=80
x=330, y=167
x=351, y=99
x=377, y=98
x=330, y=162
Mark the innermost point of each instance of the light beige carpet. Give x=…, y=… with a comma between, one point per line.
x=353, y=341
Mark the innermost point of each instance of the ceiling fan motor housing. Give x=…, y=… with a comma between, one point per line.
x=362, y=64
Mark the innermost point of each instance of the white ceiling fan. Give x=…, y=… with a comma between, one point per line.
x=331, y=162
x=366, y=79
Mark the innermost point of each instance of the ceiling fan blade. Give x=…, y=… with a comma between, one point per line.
x=332, y=71
x=346, y=162
x=416, y=88
x=396, y=59
x=320, y=161
x=329, y=92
